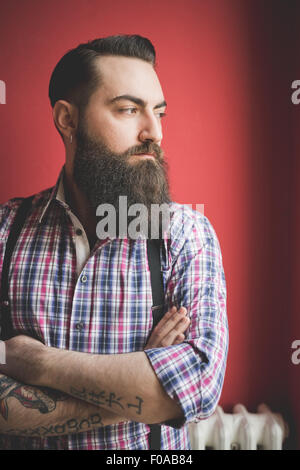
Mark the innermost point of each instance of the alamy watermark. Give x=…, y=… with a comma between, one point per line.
x=2, y=92
x=296, y=94
x=142, y=224
x=2, y=353
x=296, y=354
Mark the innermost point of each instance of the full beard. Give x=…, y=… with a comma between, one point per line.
x=104, y=176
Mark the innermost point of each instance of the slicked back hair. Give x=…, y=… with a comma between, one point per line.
x=76, y=77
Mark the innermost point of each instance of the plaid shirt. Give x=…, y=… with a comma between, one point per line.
x=100, y=302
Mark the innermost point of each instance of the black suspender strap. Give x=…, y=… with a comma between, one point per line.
x=153, y=252
x=158, y=295
x=5, y=319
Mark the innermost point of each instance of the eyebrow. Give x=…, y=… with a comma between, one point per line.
x=136, y=100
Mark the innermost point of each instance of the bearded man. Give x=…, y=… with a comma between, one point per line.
x=84, y=369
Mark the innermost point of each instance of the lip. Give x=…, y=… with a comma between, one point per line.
x=146, y=155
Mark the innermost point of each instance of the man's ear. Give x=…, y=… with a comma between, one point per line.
x=65, y=117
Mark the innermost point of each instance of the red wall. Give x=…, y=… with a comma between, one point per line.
x=226, y=68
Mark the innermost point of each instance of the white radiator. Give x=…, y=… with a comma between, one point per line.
x=240, y=430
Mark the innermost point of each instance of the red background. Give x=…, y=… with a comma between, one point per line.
x=226, y=68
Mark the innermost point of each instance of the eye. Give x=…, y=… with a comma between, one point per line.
x=128, y=110
x=162, y=115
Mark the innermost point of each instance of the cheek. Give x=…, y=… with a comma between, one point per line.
x=117, y=135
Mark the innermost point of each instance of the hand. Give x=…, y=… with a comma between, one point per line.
x=23, y=359
x=170, y=329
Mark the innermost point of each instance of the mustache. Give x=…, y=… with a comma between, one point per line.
x=146, y=148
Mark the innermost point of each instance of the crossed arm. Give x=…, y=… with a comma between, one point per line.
x=92, y=390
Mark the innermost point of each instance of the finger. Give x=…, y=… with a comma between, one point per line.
x=179, y=339
x=161, y=330
x=175, y=334
x=183, y=310
x=161, y=324
x=180, y=328
x=166, y=335
x=165, y=325
x=154, y=341
x=167, y=316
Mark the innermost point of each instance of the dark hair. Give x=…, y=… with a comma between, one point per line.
x=75, y=77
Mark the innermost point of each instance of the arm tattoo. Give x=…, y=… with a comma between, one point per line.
x=43, y=399
x=69, y=427
x=101, y=398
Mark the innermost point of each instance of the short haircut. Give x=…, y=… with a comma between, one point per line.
x=75, y=77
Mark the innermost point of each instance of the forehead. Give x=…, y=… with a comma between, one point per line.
x=128, y=76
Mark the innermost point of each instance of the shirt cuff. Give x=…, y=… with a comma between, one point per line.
x=178, y=369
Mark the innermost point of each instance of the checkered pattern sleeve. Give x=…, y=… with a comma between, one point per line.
x=192, y=372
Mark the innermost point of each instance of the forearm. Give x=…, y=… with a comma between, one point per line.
x=117, y=387
x=40, y=412
x=123, y=383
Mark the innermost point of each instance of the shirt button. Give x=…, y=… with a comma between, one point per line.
x=79, y=325
x=83, y=278
x=78, y=231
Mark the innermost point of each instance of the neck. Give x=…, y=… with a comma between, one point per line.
x=79, y=205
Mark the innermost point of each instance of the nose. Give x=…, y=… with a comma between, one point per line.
x=151, y=129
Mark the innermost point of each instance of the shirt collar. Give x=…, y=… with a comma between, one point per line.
x=57, y=193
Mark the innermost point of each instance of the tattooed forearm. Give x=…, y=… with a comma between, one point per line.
x=69, y=427
x=31, y=411
x=110, y=399
x=43, y=399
